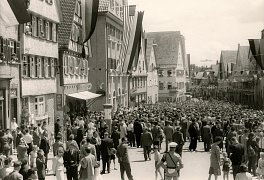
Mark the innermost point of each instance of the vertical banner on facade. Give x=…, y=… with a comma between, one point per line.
x=89, y=16
x=13, y=12
x=255, y=49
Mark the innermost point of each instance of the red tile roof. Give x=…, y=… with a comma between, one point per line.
x=103, y=5
x=64, y=30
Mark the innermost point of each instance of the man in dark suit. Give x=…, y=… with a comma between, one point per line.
x=178, y=138
x=106, y=145
x=146, y=141
x=123, y=159
x=207, y=137
x=15, y=175
x=71, y=161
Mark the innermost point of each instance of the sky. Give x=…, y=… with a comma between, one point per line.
x=208, y=26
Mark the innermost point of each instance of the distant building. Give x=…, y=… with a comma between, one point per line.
x=227, y=63
x=171, y=63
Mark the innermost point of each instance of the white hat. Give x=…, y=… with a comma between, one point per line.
x=173, y=144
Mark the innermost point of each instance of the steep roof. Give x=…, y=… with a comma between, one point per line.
x=64, y=29
x=103, y=5
x=243, y=58
x=167, y=46
x=228, y=56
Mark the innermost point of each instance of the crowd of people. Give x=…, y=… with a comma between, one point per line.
x=85, y=143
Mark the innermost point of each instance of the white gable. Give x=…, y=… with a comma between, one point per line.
x=180, y=58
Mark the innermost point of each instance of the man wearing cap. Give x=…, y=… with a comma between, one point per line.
x=168, y=131
x=173, y=163
x=123, y=159
x=15, y=175
x=177, y=137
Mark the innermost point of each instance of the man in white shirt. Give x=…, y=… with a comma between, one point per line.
x=28, y=139
x=13, y=128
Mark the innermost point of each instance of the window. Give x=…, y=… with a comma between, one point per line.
x=41, y=33
x=32, y=67
x=47, y=30
x=65, y=64
x=169, y=86
x=78, y=9
x=26, y=63
x=12, y=46
x=169, y=73
x=34, y=26
x=46, y=67
x=39, y=106
x=161, y=86
x=49, y=1
x=50, y=31
x=160, y=73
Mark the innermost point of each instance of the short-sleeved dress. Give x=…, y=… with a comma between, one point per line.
x=215, y=160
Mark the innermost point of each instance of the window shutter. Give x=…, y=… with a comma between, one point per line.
x=8, y=51
x=74, y=64
x=25, y=68
x=54, y=32
x=52, y=67
x=45, y=68
x=1, y=45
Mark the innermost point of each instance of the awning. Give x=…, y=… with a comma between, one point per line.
x=85, y=95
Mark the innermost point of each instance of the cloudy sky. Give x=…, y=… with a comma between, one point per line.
x=209, y=26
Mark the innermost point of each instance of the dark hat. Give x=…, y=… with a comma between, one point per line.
x=251, y=135
x=17, y=163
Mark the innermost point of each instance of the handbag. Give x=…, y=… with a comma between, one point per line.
x=172, y=172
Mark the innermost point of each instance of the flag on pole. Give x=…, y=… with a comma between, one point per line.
x=14, y=12
x=89, y=16
x=254, y=45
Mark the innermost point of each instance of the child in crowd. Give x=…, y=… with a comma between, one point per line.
x=97, y=175
x=226, y=166
x=33, y=157
x=157, y=159
x=40, y=162
x=113, y=157
x=260, y=169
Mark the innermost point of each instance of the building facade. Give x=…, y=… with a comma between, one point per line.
x=172, y=65
x=39, y=45
x=106, y=65
x=73, y=94
x=9, y=75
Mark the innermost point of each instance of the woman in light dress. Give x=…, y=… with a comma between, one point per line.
x=57, y=165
